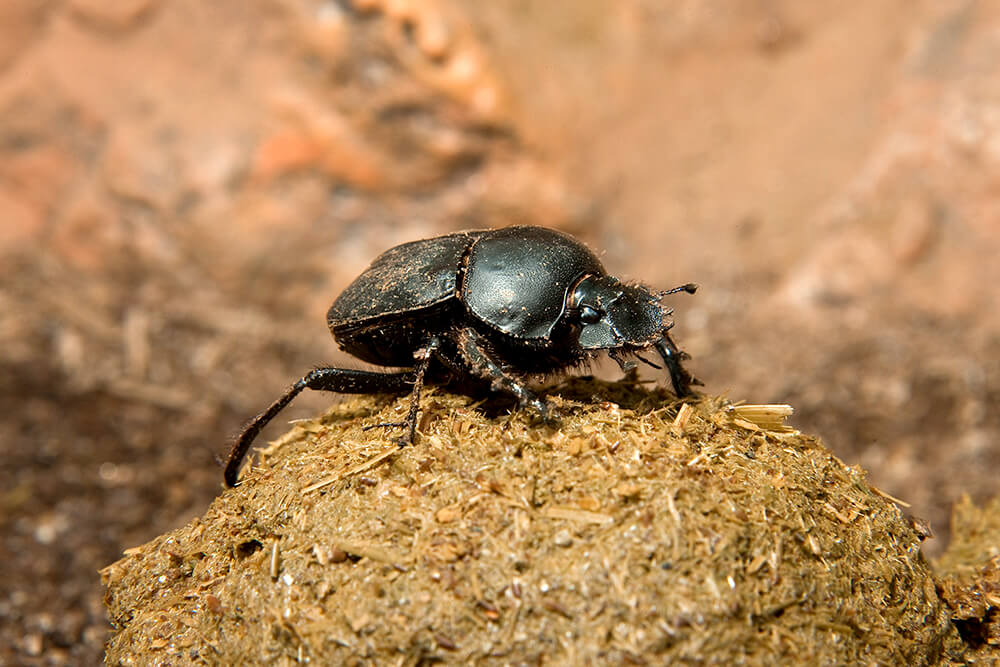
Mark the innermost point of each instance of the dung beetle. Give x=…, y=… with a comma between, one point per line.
x=483, y=309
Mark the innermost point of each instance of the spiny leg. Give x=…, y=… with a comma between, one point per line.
x=422, y=357
x=340, y=380
x=473, y=352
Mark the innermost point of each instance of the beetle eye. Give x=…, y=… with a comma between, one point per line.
x=589, y=315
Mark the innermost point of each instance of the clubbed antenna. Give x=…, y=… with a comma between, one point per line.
x=690, y=288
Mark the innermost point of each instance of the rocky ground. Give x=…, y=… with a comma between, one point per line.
x=185, y=186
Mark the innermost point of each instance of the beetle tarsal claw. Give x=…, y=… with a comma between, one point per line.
x=545, y=410
x=385, y=425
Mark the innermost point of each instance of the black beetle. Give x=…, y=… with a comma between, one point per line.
x=487, y=308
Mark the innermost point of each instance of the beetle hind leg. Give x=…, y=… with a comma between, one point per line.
x=339, y=380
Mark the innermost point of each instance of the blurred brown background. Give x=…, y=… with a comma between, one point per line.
x=185, y=186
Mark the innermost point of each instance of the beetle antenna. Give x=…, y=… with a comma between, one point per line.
x=690, y=288
x=648, y=362
x=619, y=358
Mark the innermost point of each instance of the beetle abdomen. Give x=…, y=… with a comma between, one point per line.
x=402, y=280
x=391, y=341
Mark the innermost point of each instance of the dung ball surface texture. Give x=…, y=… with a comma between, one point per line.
x=636, y=531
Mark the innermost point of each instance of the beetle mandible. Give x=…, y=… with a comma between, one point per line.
x=483, y=308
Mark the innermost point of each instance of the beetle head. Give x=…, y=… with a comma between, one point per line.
x=613, y=315
x=628, y=318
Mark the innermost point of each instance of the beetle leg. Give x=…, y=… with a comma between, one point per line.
x=482, y=364
x=422, y=357
x=672, y=357
x=340, y=380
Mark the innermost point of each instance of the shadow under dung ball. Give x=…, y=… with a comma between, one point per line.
x=640, y=529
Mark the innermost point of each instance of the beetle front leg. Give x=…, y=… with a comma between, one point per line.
x=672, y=357
x=482, y=364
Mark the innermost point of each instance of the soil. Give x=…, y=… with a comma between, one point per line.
x=185, y=186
